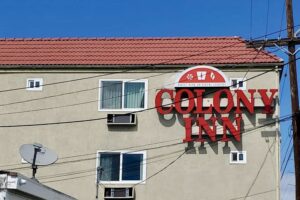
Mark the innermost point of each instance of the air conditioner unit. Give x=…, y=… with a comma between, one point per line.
x=119, y=193
x=121, y=119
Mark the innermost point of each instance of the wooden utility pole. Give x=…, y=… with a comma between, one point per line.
x=291, y=43
x=294, y=94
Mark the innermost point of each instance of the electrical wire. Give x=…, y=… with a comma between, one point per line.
x=281, y=20
x=251, y=18
x=151, y=65
x=103, y=118
x=165, y=167
x=267, y=17
x=90, y=89
x=10, y=165
x=289, y=157
x=244, y=133
x=131, y=147
x=267, y=123
x=252, y=195
x=259, y=170
x=93, y=101
x=287, y=149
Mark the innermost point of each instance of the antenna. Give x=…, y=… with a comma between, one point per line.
x=37, y=155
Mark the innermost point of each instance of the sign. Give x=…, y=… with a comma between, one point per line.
x=202, y=76
x=194, y=98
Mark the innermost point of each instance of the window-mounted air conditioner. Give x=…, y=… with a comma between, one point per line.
x=119, y=193
x=121, y=119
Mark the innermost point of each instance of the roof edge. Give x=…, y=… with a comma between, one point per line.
x=117, y=38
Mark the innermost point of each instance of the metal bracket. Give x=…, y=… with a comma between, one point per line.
x=284, y=50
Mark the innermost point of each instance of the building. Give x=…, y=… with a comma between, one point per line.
x=14, y=186
x=164, y=118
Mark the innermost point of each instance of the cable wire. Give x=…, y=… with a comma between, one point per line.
x=246, y=132
x=151, y=65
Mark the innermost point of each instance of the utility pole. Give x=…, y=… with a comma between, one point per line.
x=294, y=95
x=291, y=43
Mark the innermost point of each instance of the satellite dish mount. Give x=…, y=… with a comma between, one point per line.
x=37, y=155
x=37, y=148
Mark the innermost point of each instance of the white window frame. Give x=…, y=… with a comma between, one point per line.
x=244, y=161
x=143, y=179
x=237, y=87
x=40, y=88
x=123, y=89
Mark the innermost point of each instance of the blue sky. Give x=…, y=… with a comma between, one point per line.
x=137, y=18
x=155, y=18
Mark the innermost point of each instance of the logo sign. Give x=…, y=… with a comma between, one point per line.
x=202, y=76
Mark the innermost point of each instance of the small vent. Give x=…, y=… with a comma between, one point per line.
x=121, y=119
x=119, y=193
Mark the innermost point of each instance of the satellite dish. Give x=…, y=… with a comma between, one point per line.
x=37, y=155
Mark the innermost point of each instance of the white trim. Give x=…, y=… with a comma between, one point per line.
x=238, y=86
x=145, y=81
x=244, y=161
x=143, y=179
x=40, y=80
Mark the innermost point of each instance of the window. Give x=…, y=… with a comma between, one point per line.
x=238, y=157
x=34, y=84
x=122, y=167
x=123, y=94
x=237, y=84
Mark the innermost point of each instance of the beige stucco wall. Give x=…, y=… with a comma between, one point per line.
x=202, y=173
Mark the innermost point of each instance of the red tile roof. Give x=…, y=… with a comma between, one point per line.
x=130, y=51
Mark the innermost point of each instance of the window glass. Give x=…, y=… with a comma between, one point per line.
x=111, y=97
x=122, y=167
x=241, y=84
x=37, y=84
x=134, y=95
x=132, y=167
x=121, y=94
x=238, y=157
x=234, y=83
x=241, y=157
x=34, y=84
x=31, y=83
x=234, y=156
x=238, y=83
x=110, y=163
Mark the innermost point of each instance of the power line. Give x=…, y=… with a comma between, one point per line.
x=151, y=65
x=88, y=154
x=132, y=147
x=259, y=170
x=267, y=123
x=167, y=156
x=268, y=11
x=177, y=158
x=281, y=20
x=287, y=161
x=245, y=80
x=84, y=90
x=251, y=18
x=287, y=149
x=252, y=195
x=244, y=133
x=92, y=101
x=102, y=118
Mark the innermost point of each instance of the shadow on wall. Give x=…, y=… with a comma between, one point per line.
x=171, y=119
